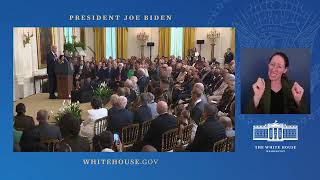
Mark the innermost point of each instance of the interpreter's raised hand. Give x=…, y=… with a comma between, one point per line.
x=297, y=92
x=258, y=89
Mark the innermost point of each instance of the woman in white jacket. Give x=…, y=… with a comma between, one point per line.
x=95, y=113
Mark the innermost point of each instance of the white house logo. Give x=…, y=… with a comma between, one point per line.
x=275, y=132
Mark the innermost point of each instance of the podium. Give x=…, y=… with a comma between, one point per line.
x=64, y=72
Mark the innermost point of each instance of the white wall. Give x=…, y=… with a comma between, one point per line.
x=221, y=46
x=133, y=45
x=25, y=63
x=89, y=42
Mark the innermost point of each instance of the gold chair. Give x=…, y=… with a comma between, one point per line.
x=144, y=128
x=64, y=147
x=129, y=135
x=186, y=135
x=52, y=144
x=169, y=140
x=100, y=125
x=224, y=145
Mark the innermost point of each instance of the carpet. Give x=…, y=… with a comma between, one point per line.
x=41, y=101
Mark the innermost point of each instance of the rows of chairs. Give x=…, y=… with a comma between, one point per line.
x=133, y=133
x=224, y=145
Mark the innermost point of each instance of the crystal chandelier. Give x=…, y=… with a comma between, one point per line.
x=142, y=37
x=213, y=35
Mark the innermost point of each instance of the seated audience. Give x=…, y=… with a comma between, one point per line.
x=70, y=128
x=209, y=132
x=152, y=105
x=94, y=114
x=144, y=89
x=32, y=139
x=148, y=148
x=22, y=121
x=161, y=124
x=143, y=112
x=107, y=143
x=121, y=117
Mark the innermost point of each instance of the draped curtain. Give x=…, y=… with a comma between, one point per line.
x=83, y=35
x=111, y=42
x=188, y=40
x=122, y=42
x=99, y=43
x=176, y=42
x=164, y=42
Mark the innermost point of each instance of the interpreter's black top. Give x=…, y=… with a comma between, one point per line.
x=276, y=105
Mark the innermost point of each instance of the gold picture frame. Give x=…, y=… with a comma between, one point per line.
x=45, y=39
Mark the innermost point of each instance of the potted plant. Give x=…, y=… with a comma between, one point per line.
x=80, y=44
x=69, y=46
x=104, y=92
x=72, y=108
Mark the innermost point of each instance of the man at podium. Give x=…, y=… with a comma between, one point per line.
x=64, y=72
x=52, y=58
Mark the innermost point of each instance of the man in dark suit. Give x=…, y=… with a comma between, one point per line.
x=107, y=72
x=120, y=117
x=228, y=56
x=159, y=125
x=209, y=132
x=143, y=112
x=31, y=139
x=22, y=121
x=120, y=74
x=196, y=105
x=52, y=58
x=143, y=80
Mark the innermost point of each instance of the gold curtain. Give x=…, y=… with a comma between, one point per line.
x=99, y=43
x=122, y=42
x=188, y=40
x=83, y=35
x=233, y=41
x=164, y=42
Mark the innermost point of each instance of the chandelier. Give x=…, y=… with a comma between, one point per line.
x=213, y=35
x=142, y=37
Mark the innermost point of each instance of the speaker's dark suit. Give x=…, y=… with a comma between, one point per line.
x=51, y=60
x=161, y=124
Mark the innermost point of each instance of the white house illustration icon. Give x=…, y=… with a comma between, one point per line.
x=275, y=132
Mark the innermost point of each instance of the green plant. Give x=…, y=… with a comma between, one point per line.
x=103, y=91
x=69, y=46
x=72, y=108
x=80, y=44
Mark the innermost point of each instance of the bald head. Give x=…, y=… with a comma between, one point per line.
x=199, y=85
x=162, y=107
x=122, y=100
x=42, y=116
x=148, y=148
x=54, y=49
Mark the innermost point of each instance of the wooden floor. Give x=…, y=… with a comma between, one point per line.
x=41, y=101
